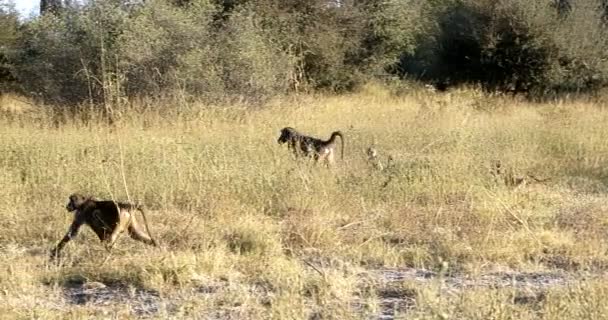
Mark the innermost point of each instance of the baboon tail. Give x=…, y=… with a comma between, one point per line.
x=339, y=134
x=143, y=214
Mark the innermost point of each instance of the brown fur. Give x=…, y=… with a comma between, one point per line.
x=107, y=219
x=320, y=150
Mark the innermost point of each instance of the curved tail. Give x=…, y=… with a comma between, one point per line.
x=339, y=134
x=143, y=214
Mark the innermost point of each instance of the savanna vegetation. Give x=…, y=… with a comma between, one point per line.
x=111, y=52
x=178, y=105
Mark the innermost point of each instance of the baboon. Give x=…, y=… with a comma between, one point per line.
x=372, y=157
x=302, y=145
x=372, y=153
x=107, y=219
x=510, y=178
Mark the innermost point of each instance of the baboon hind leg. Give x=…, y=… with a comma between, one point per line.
x=329, y=158
x=113, y=237
x=326, y=157
x=137, y=234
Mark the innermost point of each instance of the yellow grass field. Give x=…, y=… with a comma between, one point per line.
x=247, y=232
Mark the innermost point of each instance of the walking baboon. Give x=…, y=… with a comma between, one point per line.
x=107, y=219
x=510, y=178
x=302, y=145
x=372, y=157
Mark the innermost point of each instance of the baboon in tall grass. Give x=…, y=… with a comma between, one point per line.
x=107, y=219
x=510, y=178
x=302, y=145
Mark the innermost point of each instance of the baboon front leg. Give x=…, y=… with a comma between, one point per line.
x=72, y=232
x=57, y=250
x=139, y=235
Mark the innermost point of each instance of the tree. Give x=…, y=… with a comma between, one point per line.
x=9, y=24
x=53, y=5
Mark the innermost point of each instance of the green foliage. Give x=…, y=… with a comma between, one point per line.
x=513, y=45
x=317, y=37
x=69, y=57
x=167, y=48
x=252, y=59
x=8, y=34
x=390, y=32
x=580, y=44
x=47, y=61
x=105, y=51
x=211, y=50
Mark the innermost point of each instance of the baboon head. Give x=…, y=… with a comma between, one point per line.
x=76, y=200
x=287, y=134
x=372, y=154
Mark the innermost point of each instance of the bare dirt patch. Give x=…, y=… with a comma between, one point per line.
x=394, y=298
x=141, y=302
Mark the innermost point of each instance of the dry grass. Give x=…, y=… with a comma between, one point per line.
x=248, y=233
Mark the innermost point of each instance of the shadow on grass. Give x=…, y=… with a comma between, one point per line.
x=108, y=289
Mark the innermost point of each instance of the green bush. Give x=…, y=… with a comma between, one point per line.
x=167, y=49
x=317, y=37
x=253, y=61
x=105, y=51
x=8, y=35
x=70, y=56
x=389, y=32
x=513, y=45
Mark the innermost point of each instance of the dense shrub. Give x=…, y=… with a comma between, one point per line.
x=106, y=51
x=166, y=49
x=8, y=35
x=390, y=32
x=513, y=45
x=317, y=34
x=71, y=56
x=252, y=59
